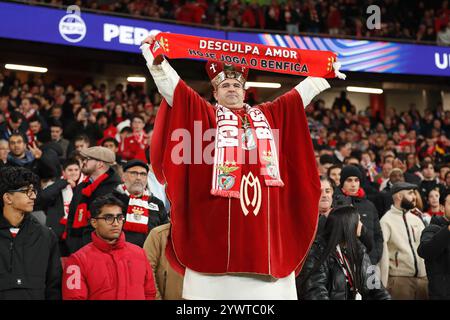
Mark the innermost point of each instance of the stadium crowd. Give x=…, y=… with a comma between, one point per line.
x=416, y=20
x=369, y=160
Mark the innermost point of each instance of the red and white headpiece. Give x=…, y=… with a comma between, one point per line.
x=219, y=72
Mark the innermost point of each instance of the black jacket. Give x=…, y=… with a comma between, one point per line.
x=50, y=201
x=30, y=267
x=434, y=248
x=329, y=282
x=370, y=220
x=76, y=238
x=156, y=218
x=383, y=200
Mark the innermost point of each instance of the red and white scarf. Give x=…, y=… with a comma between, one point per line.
x=137, y=212
x=316, y=63
x=14, y=231
x=141, y=138
x=67, y=194
x=347, y=270
x=82, y=213
x=232, y=138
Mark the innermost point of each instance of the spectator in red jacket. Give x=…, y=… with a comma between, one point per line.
x=108, y=268
x=133, y=144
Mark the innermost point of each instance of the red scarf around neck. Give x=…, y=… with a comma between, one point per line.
x=315, y=63
x=359, y=194
x=82, y=214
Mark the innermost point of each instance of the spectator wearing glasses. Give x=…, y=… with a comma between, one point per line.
x=30, y=266
x=144, y=210
x=100, y=180
x=108, y=268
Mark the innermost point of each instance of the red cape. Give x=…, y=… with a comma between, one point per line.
x=210, y=234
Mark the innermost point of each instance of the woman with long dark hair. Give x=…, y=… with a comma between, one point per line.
x=338, y=267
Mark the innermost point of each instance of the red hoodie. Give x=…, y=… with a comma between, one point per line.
x=101, y=271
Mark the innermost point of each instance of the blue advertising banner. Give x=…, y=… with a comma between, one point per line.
x=363, y=55
x=81, y=29
x=71, y=27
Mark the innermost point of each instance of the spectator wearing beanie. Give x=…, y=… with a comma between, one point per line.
x=350, y=187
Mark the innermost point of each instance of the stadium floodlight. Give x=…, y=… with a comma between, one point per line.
x=365, y=90
x=136, y=79
x=21, y=67
x=272, y=85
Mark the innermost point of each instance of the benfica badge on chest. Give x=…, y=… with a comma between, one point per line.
x=137, y=213
x=226, y=180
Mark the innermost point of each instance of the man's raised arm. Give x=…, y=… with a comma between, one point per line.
x=311, y=87
x=165, y=77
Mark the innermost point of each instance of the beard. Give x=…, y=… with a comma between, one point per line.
x=406, y=204
x=87, y=171
x=136, y=188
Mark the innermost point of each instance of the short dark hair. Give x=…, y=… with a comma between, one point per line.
x=341, y=144
x=102, y=114
x=35, y=119
x=388, y=156
x=15, y=116
x=425, y=164
x=18, y=134
x=443, y=196
x=56, y=123
x=70, y=162
x=334, y=166
x=106, y=200
x=82, y=137
x=111, y=139
x=12, y=178
x=137, y=116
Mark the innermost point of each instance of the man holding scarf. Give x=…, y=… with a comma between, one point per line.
x=243, y=215
x=100, y=180
x=144, y=211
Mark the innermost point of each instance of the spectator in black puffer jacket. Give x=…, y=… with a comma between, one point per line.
x=350, y=188
x=435, y=249
x=338, y=267
x=30, y=266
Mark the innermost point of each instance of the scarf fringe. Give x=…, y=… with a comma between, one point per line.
x=274, y=183
x=225, y=193
x=136, y=227
x=132, y=225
